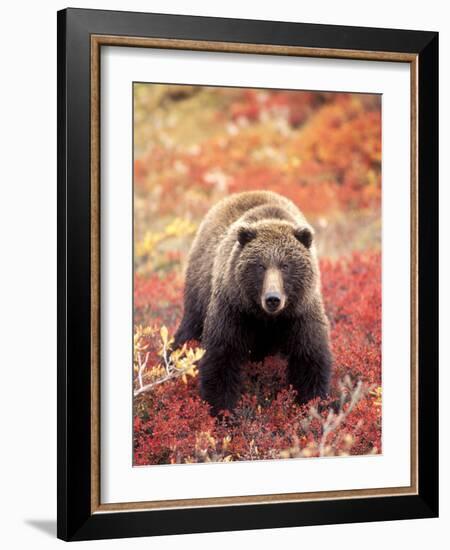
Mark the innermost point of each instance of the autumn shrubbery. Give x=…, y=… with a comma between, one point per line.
x=323, y=151
x=331, y=163
x=172, y=424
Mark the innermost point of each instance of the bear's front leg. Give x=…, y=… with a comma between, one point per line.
x=220, y=379
x=309, y=359
x=220, y=367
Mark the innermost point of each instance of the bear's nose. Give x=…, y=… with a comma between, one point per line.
x=273, y=300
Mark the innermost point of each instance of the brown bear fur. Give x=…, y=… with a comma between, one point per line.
x=247, y=243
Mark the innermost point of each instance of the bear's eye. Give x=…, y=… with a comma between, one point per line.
x=284, y=267
x=261, y=267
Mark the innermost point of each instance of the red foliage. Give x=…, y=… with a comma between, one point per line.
x=172, y=423
x=158, y=297
x=253, y=104
x=330, y=161
x=167, y=430
x=352, y=293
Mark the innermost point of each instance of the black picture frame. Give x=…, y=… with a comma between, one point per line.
x=76, y=520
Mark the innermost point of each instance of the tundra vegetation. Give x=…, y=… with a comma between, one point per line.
x=195, y=145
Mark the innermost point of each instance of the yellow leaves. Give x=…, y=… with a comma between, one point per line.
x=179, y=363
x=156, y=372
x=225, y=442
x=285, y=453
x=140, y=333
x=348, y=439
x=140, y=343
x=164, y=333
x=377, y=394
x=311, y=449
x=183, y=360
x=178, y=227
x=206, y=449
x=191, y=356
x=297, y=450
x=148, y=244
x=204, y=441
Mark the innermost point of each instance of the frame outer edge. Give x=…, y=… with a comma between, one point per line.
x=61, y=279
x=199, y=27
x=74, y=257
x=428, y=213
x=75, y=522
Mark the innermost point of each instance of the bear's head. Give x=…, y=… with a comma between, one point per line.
x=276, y=266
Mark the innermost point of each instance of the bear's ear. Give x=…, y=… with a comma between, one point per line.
x=245, y=234
x=304, y=235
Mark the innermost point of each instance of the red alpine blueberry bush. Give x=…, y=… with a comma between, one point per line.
x=173, y=425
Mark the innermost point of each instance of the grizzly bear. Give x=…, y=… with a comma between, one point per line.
x=253, y=289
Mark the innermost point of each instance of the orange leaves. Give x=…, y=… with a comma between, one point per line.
x=329, y=144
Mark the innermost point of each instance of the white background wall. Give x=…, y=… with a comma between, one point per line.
x=28, y=275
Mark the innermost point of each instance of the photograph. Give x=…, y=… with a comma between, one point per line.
x=256, y=274
x=247, y=274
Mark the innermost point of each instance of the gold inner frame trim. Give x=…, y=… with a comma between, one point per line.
x=97, y=41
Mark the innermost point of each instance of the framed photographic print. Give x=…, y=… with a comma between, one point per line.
x=247, y=256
